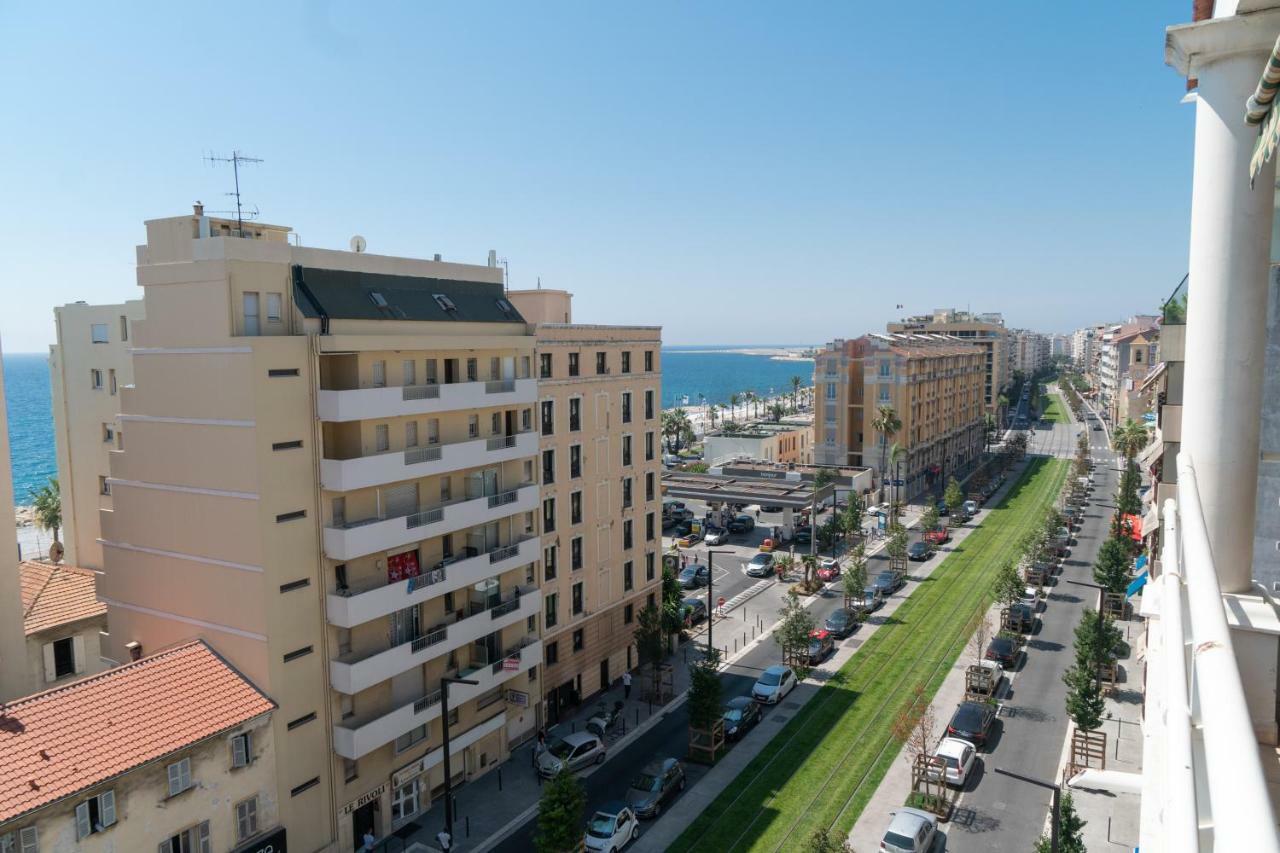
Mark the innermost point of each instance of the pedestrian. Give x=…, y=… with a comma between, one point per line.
x=539, y=748
x=626, y=684
x=368, y=840
x=444, y=840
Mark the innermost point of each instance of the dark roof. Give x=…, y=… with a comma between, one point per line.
x=346, y=295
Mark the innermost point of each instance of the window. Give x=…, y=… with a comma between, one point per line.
x=553, y=653
x=626, y=535
x=301, y=721
x=575, y=461
x=579, y=640
x=291, y=516
x=549, y=515
x=575, y=508
x=473, y=426
x=415, y=735
x=550, y=618
x=626, y=492
x=409, y=372
x=495, y=368
x=526, y=420
x=831, y=391
x=649, y=486
x=544, y=365
x=648, y=361
x=884, y=367
x=298, y=584
x=548, y=466
x=108, y=433
x=241, y=750
x=179, y=777
x=628, y=614
x=495, y=423
x=249, y=300
x=575, y=553
x=626, y=407
x=98, y=333
x=433, y=378
x=626, y=362
x=350, y=769
x=379, y=374
x=194, y=839
x=573, y=364
x=648, y=405
x=602, y=363
x=275, y=307
x=628, y=576
x=111, y=381
x=63, y=657
x=95, y=814
x=124, y=328
x=381, y=438
x=411, y=434
x=473, y=370
x=25, y=840
x=575, y=414
x=246, y=819
x=305, y=786
x=549, y=416
x=649, y=527
x=297, y=653
x=626, y=450
x=549, y=562
x=433, y=431
x=95, y=379
x=650, y=566
x=648, y=446
x=577, y=599
x=281, y=372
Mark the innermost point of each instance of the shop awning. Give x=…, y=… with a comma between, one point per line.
x=1259, y=111
x=1150, y=454
x=1151, y=521
x=1136, y=584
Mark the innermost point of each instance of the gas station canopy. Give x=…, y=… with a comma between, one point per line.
x=790, y=494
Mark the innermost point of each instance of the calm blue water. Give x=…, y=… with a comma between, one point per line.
x=26, y=393
x=717, y=374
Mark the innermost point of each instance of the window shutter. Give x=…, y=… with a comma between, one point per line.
x=107, y=808
x=30, y=840
x=203, y=832
x=175, y=779
x=240, y=750
x=83, y=829
x=6, y=843
x=50, y=668
x=77, y=644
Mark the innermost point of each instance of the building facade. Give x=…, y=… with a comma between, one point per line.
x=95, y=341
x=600, y=463
x=1028, y=352
x=789, y=441
x=984, y=330
x=14, y=678
x=64, y=623
x=1126, y=352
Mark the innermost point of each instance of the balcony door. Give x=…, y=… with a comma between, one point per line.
x=403, y=626
x=509, y=367
x=487, y=649
x=399, y=501
x=486, y=595
x=482, y=483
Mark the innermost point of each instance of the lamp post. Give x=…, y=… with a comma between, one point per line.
x=1057, y=807
x=448, y=779
x=711, y=577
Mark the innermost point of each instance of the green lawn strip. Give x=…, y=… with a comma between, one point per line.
x=1054, y=410
x=820, y=775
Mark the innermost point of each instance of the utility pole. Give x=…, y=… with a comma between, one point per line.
x=711, y=578
x=448, y=778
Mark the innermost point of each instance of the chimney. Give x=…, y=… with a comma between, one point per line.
x=198, y=209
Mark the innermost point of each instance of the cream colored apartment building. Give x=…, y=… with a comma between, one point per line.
x=984, y=330
x=88, y=366
x=329, y=475
x=933, y=383
x=788, y=441
x=14, y=672
x=600, y=462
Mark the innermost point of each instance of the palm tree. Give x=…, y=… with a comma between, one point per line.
x=676, y=428
x=47, y=502
x=1003, y=400
x=887, y=423
x=1130, y=437
x=734, y=400
x=795, y=390
x=988, y=429
x=776, y=411
x=896, y=454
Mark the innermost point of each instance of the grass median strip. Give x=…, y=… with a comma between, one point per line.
x=825, y=764
x=1054, y=411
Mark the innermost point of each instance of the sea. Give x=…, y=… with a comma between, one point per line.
x=28, y=399
x=687, y=371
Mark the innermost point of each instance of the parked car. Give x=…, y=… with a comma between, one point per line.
x=742, y=524
x=761, y=565
x=612, y=827
x=1031, y=598
x=572, y=752
x=683, y=528
x=996, y=670
x=1021, y=618
x=694, y=575
x=878, y=511
x=821, y=644
x=841, y=623
x=689, y=539
x=715, y=536
x=803, y=536
x=910, y=831
x=972, y=721
x=943, y=509
x=872, y=599
x=740, y=716
x=658, y=782
x=694, y=610
x=888, y=583
x=938, y=536
x=774, y=684
x=770, y=508
x=971, y=508
x=957, y=760
x=1003, y=651
x=828, y=569
x=919, y=551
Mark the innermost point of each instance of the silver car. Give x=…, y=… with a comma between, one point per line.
x=910, y=831
x=572, y=752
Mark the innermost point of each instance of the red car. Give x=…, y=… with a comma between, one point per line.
x=828, y=569
x=937, y=537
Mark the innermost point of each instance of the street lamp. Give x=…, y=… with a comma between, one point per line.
x=1057, y=793
x=448, y=778
x=711, y=577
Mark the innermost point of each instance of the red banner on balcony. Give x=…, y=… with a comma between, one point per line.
x=512, y=663
x=402, y=566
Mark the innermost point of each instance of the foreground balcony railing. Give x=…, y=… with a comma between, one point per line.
x=361, y=403
x=342, y=475
x=372, y=600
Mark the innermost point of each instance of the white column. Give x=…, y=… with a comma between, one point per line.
x=1226, y=317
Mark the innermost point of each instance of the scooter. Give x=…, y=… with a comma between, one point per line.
x=605, y=720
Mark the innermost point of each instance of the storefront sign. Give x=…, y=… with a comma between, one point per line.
x=273, y=843
x=410, y=772
x=364, y=799
x=518, y=697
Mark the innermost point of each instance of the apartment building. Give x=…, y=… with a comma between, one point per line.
x=1081, y=351
x=171, y=752
x=600, y=462
x=330, y=477
x=787, y=441
x=1126, y=352
x=63, y=621
x=95, y=341
x=934, y=384
x=14, y=680
x=1028, y=352
x=984, y=330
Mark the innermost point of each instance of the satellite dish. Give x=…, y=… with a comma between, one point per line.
x=357, y=243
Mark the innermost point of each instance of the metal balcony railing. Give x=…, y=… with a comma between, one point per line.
x=431, y=638
x=423, y=454
x=420, y=392
x=499, y=386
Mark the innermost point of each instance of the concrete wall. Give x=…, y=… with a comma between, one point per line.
x=14, y=680
x=1266, y=545
x=90, y=633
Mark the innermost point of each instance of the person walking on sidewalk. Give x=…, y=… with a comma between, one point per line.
x=626, y=684
x=539, y=748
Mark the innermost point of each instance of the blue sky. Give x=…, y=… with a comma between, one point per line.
x=734, y=172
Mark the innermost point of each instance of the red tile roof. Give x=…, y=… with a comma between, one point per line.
x=56, y=743
x=57, y=595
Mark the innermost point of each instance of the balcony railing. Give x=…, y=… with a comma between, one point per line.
x=422, y=454
x=420, y=392
x=499, y=386
x=353, y=404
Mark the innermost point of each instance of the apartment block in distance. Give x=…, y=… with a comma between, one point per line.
x=984, y=330
x=599, y=423
x=934, y=384
x=329, y=476
x=88, y=366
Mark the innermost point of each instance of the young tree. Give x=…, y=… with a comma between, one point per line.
x=560, y=814
x=897, y=544
x=825, y=841
x=854, y=579
x=914, y=725
x=979, y=634
x=929, y=519
x=1111, y=571
x=651, y=639
x=953, y=497
x=672, y=595
x=705, y=691
x=47, y=503
x=810, y=563
x=794, y=626
x=783, y=564
x=1127, y=500
x=851, y=518
x=1097, y=646
x=1084, y=698
x=1009, y=586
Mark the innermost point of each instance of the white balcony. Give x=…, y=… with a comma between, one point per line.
x=344, y=475
x=357, y=737
x=358, y=538
x=353, y=673
x=357, y=606
x=363, y=403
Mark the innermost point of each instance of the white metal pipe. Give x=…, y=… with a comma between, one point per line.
x=1178, y=811
x=1240, y=808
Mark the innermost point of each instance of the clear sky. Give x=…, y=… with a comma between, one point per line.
x=736, y=172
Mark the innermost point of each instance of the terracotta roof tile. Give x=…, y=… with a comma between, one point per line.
x=56, y=743
x=57, y=595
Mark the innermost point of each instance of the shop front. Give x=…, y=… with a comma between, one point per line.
x=364, y=815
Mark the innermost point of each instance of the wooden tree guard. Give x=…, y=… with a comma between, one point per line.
x=1088, y=751
x=705, y=744
x=934, y=794
x=1037, y=574
x=1114, y=605
x=979, y=683
x=1020, y=623
x=898, y=564
x=1108, y=675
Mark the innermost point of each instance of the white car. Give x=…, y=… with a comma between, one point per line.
x=997, y=671
x=715, y=536
x=957, y=760
x=773, y=685
x=878, y=510
x=910, y=831
x=1031, y=597
x=612, y=827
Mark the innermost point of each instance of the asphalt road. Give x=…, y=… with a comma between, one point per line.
x=997, y=812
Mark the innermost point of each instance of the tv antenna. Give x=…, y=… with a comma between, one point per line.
x=235, y=160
